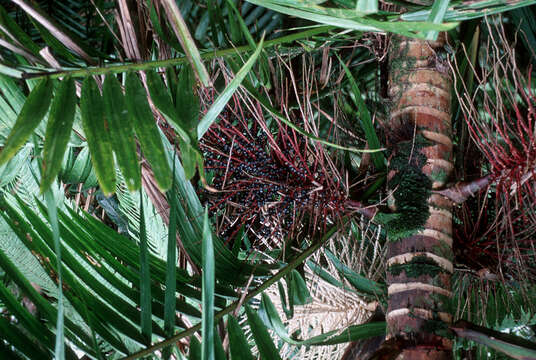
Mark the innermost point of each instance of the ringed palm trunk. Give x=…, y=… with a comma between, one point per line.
x=420, y=245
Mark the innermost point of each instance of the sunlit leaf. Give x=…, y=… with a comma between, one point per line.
x=208, y=292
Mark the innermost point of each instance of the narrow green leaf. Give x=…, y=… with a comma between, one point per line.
x=207, y=328
x=45, y=308
x=469, y=10
x=60, y=123
x=162, y=99
x=59, y=351
x=223, y=98
x=288, y=310
x=353, y=333
x=195, y=349
x=189, y=159
x=439, y=9
x=299, y=292
x=366, y=121
x=299, y=259
x=238, y=343
x=349, y=20
x=218, y=347
x=326, y=276
x=157, y=25
x=171, y=272
x=514, y=346
x=234, y=27
x=187, y=101
x=147, y=131
x=11, y=72
x=16, y=31
x=32, y=113
x=361, y=283
x=263, y=61
x=46, y=25
x=186, y=40
x=79, y=296
x=145, y=277
x=98, y=140
x=266, y=347
x=121, y=132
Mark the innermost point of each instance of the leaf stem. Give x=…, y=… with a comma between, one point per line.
x=207, y=55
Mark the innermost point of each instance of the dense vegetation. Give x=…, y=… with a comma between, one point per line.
x=224, y=179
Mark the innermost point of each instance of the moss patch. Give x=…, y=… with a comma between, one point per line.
x=411, y=195
x=412, y=189
x=419, y=265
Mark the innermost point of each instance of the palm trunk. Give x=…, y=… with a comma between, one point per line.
x=420, y=234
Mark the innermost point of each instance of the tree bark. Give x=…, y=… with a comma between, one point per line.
x=420, y=232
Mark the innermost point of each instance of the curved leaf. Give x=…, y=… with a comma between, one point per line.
x=146, y=130
x=238, y=343
x=361, y=283
x=32, y=113
x=162, y=100
x=264, y=342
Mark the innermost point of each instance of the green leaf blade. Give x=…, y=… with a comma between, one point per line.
x=121, y=132
x=60, y=123
x=162, y=100
x=33, y=111
x=437, y=14
x=91, y=107
x=207, y=328
x=171, y=267
x=186, y=40
x=187, y=101
x=264, y=342
x=361, y=283
x=238, y=343
x=59, y=350
x=366, y=121
x=147, y=130
x=145, y=279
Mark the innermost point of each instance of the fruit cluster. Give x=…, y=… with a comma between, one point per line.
x=264, y=183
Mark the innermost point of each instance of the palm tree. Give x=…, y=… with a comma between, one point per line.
x=121, y=292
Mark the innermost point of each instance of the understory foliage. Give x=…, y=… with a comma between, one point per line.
x=196, y=179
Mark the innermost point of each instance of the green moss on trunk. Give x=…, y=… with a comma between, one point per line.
x=419, y=265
